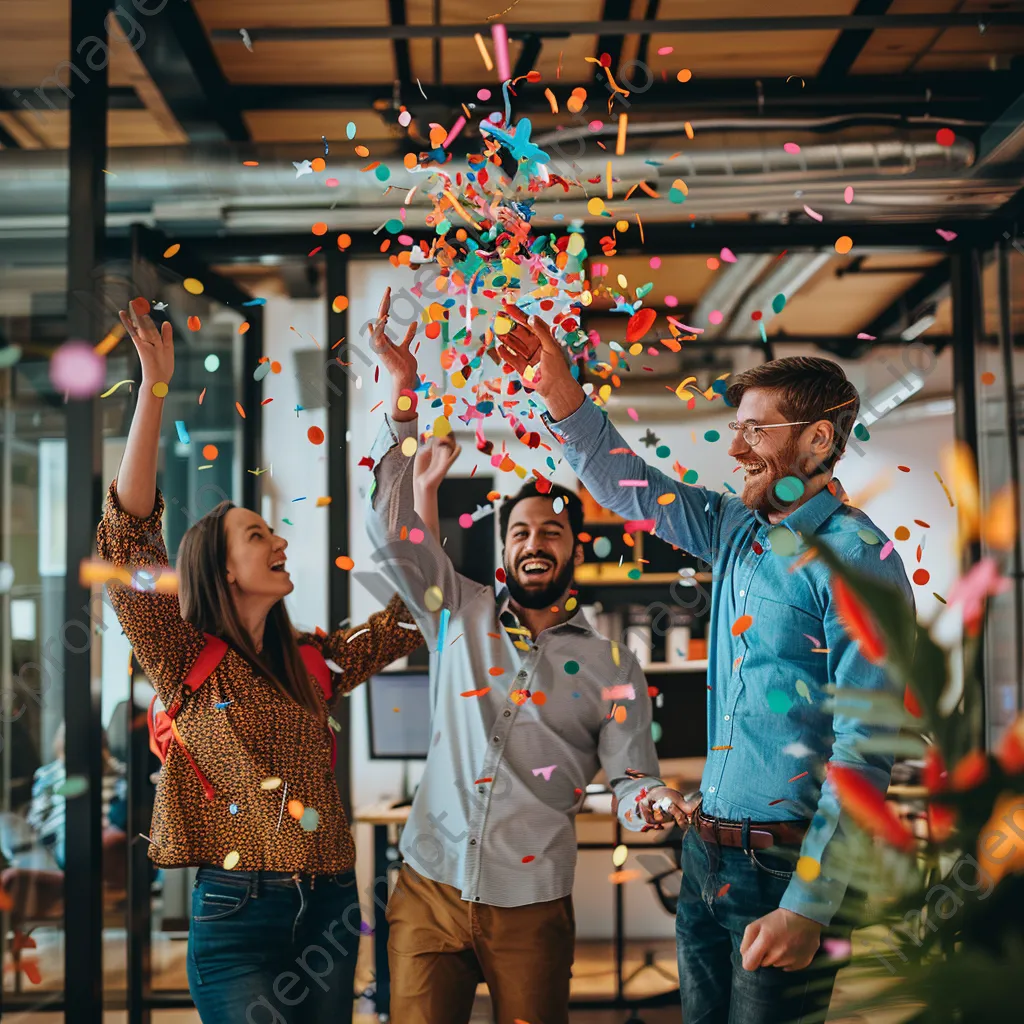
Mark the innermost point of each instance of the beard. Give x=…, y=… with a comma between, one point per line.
x=759, y=491
x=536, y=598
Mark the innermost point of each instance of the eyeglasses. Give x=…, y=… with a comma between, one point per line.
x=751, y=431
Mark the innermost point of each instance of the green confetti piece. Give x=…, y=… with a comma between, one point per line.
x=789, y=489
x=861, y=432
x=663, y=451
x=571, y=667
x=634, y=574
x=779, y=303
x=310, y=819
x=803, y=690
x=72, y=786
x=711, y=435
x=261, y=370
x=602, y=547
x=288, y=521
x=783, y=541
x=779, y=701
x=676, y=195
x=383, y=172
x=656, y=731
x=393, y=226
x=690, y=476
x=868, y=537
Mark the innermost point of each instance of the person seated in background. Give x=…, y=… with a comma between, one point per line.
x=47, y=812
x=528, y=703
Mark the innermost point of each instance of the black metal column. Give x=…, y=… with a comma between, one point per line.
x=252, y=396
x=1013, y=426
x=965, y=283
x=336, y=392
x=83, y=873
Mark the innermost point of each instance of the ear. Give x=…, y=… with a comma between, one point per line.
x=577, y=558
x=822, y=437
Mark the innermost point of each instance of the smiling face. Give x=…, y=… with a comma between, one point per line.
x=778, y=453
x=540, y=553
x=255, y=557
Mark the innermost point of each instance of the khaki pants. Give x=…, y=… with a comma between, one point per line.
x=442, y=947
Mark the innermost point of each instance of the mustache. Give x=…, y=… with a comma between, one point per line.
x=535, y=558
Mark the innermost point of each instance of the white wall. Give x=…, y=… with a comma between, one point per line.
x=299, y=468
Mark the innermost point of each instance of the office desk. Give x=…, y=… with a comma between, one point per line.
x=382, y=816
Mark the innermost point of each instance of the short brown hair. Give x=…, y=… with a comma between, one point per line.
x=807, y=388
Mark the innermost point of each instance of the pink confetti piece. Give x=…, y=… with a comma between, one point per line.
x=848, y=194
x=814, y=640
x=545, y=771
x=638, y=525
x=632, y=415
x=886, y=551
x=791, y=147
x=946, y=236
x=622, y=691
x=632, y=483
x=456, y=128
x=837, y=949
x=499, y=35
x=813, y=213
x=727, y=255
x=664, y=51
x=684, y=327
x=865, y=337
x=715, y=316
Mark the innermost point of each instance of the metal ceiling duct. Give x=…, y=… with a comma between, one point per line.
x=210, y=187
x=727, y=289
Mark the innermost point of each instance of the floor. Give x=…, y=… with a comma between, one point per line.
x=593, y=978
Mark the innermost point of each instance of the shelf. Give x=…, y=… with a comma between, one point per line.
x=659, y=668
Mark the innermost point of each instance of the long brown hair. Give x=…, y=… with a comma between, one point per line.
x=205, y=600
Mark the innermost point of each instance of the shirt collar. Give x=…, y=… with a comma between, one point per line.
x=809, y=517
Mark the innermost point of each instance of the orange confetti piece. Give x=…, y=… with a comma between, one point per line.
x=202, y=395
x=476, y=693
x=296, y=808
x=344, y=562
x=742, y=624
x=528, y=858
x=721, y=892
x=241, y=411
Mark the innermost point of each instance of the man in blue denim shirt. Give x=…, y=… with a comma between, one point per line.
x=748, y=924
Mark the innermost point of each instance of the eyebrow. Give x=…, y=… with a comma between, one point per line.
x=257, y=526
x=547, y=522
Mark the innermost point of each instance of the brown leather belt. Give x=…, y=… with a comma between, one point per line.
x=762, y=833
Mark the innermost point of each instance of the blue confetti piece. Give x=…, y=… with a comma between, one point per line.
x=255, y=302
x=760, y=327
x=303, y=498
x=350, y=130
x=233, y=808
x=442, y=629
x=728, y=488
x=179, y=426
x=288, y=521
x=223, y=704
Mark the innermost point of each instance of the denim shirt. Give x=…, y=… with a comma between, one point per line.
x=769, y=733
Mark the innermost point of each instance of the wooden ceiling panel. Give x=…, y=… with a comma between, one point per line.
x=328, y=62
x=740, y=54
x=697, y=9
x=475, y=12
x=234, y=14
x=831, y=305
x=461, y=62
x=309, y=125
x=124, y=128
x=685, y=277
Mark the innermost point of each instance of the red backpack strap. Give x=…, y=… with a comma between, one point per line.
x=202, y=668
x=316, y=666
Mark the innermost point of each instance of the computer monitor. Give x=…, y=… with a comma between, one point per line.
x=398, y=706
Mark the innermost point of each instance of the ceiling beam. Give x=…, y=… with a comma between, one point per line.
x=651, y=14
x=931, y=287
x=528, y=54
x=679, y=26
x=971, y=95
x=7, y=140
x=847, y=47
x=121, y=97
x=610, y=41
x=180, y=60
x=403, y=63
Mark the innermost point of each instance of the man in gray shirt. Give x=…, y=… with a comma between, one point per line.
x=528, y=703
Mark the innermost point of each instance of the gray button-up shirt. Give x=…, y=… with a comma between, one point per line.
x=520, y=725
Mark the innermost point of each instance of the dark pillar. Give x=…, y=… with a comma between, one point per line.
x=965, y=282
x=336, y=392
x=83, y=885
x=251, y=397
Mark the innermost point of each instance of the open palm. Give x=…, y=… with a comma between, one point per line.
x=531, y=350
x=154, y=345
x=398, y=360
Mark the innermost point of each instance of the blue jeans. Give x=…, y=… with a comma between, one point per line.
x=265, y=947
x=714, y=986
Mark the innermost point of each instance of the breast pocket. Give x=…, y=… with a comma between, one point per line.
x=793, y=637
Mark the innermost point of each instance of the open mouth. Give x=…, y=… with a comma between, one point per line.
x=278, y=567
x=536, y=567
x=753, y=469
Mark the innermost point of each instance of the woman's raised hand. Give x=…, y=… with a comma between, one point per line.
x=398, y=360
x=433, y=460
x=154, y=345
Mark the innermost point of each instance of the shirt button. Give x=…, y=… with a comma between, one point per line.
x=507, y=713
x=727, y=718
x=472, y=842
x=497, y=739
x=480, y=789
x=522, y=675
x=710, y=791
x=743, y=593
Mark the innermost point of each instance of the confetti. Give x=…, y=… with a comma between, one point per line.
x=111, y=390
x=742, y=624
x=231, y=860
x=546, y=771
x=433, y=598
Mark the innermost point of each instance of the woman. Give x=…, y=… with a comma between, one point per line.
x=247, y=792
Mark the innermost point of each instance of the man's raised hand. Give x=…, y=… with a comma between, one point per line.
x=398, y=360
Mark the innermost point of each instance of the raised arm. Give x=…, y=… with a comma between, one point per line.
x=621, y=482
x=408, y=554
x=129, y=534
x=366, y=649
x=433, y=460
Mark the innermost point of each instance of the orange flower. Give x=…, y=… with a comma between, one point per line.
x=1001, y=840
x=858, y=622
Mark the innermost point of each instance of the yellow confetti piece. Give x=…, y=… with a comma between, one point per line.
x=808, y=869
x=409, y=446
x=610, y=193
x=615, y=652
x=620, y=854
x=160, y=389
x=271, y=783
x=404, y=403
x=110, y=341
x=620, y=142
x=949, y=497
x=321, y=502
x=502, y=325
x=595, y=206
x=482, y=47
x=172, y=250
x=442, y=427
x=666, y=499
x=193, y=286
x=689, y=129
x=231, y=860
x=110, y=391
x=433, y=598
